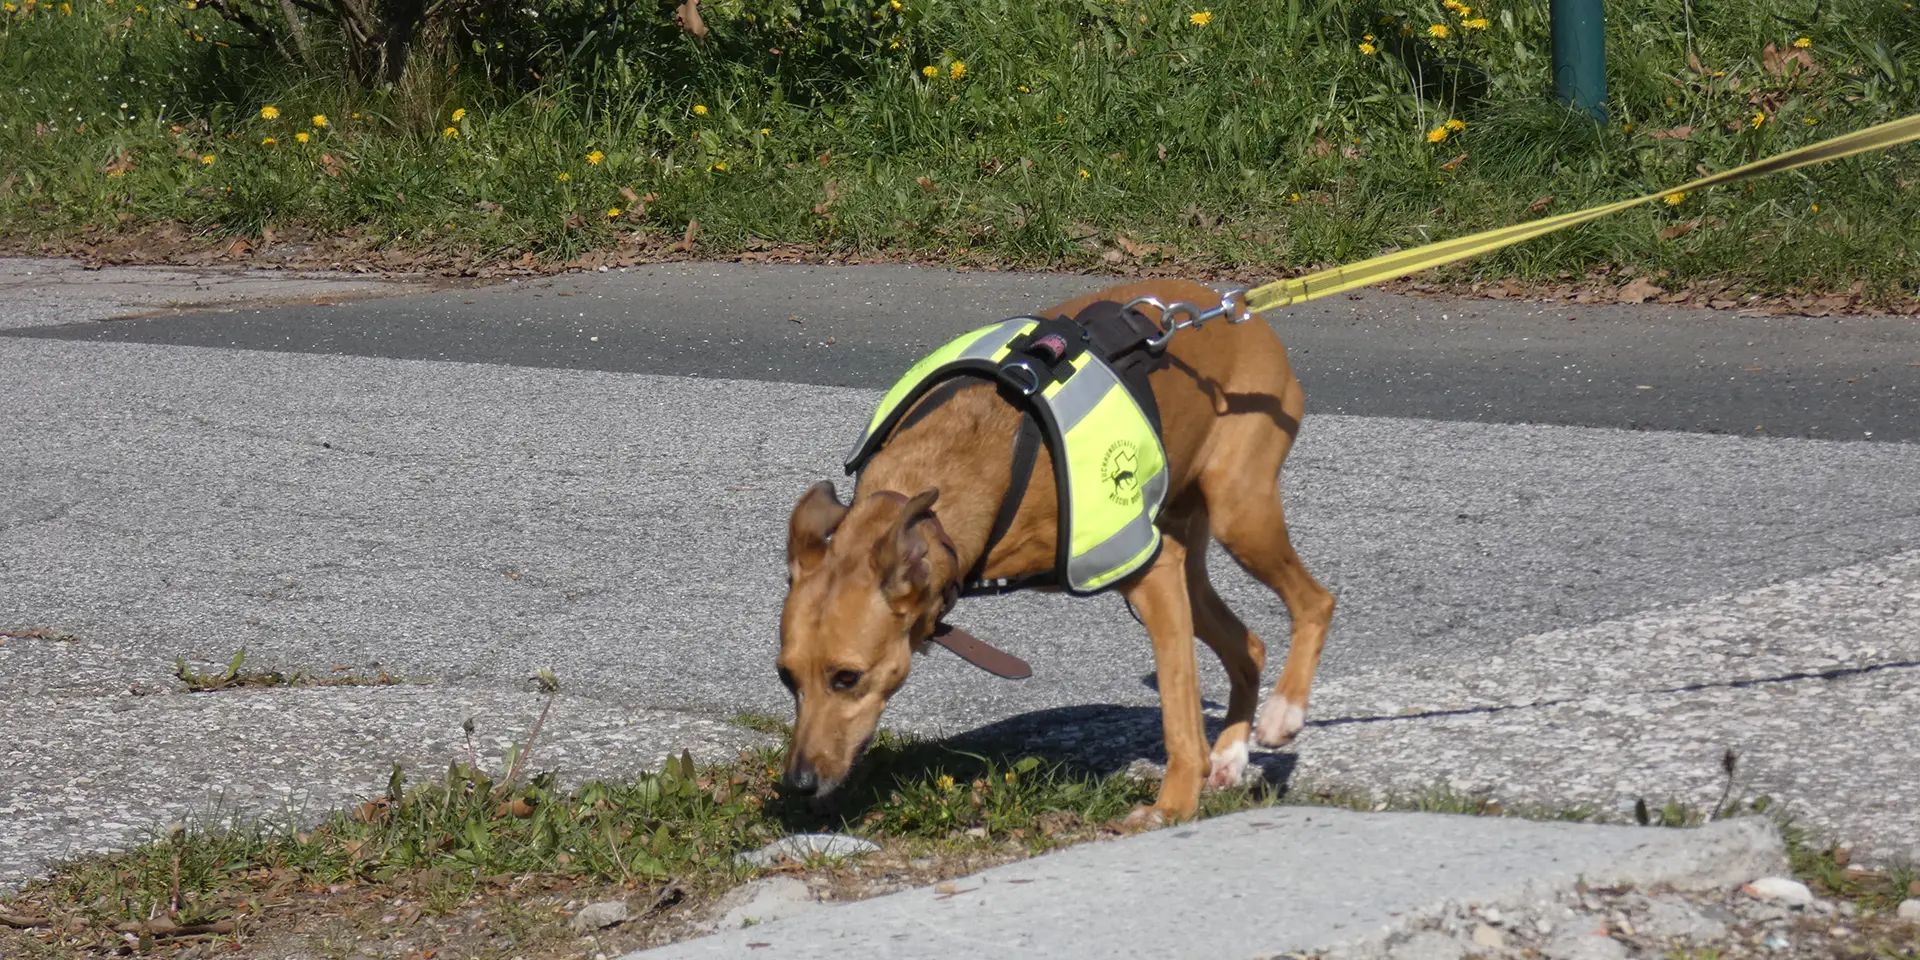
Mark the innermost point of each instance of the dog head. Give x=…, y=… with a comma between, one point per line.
x=863, y=594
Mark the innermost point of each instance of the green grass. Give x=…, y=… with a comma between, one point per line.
x=1263, y=142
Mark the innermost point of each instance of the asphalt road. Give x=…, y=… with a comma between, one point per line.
x=1363, y=354
x=592, y=474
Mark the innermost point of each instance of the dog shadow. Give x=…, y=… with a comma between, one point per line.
x=1092, y=741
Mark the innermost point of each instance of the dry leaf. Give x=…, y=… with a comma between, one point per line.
x=1321, y=146
x=120, y=164
x=1639, y=291
x=687, y=15
x=1113, y=256
x=1671, y=133
x=1693, y=61
x=1455, y=162
x=1160, y=150
x=1132, y=249
x=331, y=164
x=1679, y=230
x=632, y=198
x=238, y=248
x=1540, y=205
x=826, y=158
x=686, y=242
x=927, y=185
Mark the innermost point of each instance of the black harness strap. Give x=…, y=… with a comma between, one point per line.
x=1026, y=452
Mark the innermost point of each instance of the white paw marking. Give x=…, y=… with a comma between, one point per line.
x=1229, y=765
x=1279, y=721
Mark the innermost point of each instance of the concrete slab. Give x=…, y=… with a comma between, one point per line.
x=1256, y=884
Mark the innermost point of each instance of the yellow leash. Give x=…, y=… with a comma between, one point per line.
x=1403, y=263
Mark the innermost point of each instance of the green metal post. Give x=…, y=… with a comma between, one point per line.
x=1580, y=55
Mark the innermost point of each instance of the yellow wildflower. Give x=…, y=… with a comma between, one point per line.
x=319, y=119
x=1436, y=135
x=1085, y=175
x=1477, y=23
x=612, y=212
x=945, y=782
x=8, y=7
x=268, y=142
x=1438, y=31
x=1293, y=198
x=564, y=176
x=1368, y=49
x=720, y=166
x=699, y=109
x=1009, y=776
x=301, y=136
x=1451, y=4
x=206, y=160
x=1803, y=42
x=1758, y=120
x=894, y=4
x=1456, y=125
x=766, y=131
x=451, y=133
x=1816, y=208
x=929, y=71
x=1809, y=121
x=1023, y=89
x=66, y=9
x=460, y=114
x=1675, y=198
x=595, y=157
x=269, y=113
x=1200, y=19
x=957, y=71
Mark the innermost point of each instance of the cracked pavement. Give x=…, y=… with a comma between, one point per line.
x=1559, y=589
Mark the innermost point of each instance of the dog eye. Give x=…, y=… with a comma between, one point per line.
x=844, y=680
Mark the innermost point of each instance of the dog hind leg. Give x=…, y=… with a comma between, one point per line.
x=1254, y=531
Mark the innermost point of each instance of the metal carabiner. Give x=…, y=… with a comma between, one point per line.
x=1233, y=306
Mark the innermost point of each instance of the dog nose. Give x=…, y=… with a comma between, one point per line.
x=800, y=779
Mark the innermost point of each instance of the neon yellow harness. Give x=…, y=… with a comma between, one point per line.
x=1109, y=465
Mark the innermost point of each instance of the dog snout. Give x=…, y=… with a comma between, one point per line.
x=800, y=779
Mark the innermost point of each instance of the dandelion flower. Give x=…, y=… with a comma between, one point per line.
x=1477, y=23
x=8, y=7
x=1023, y=89
x=929, y=71
x=1368, y=49
x=612, y=212
x=1200, y=19
x=1085, y=175
x=1758, y=120
x=1456, y=125
x=1451, y=4
x=564, y=176
x=1293, y=198
x=720, y=166
x=595, y=157
x=1675, y=198
x=957, y=71
x=269, y=113
x=1009, y=776
x=1803, y=42
x=66, y=9
x=459, y=115
x=1438, y=31
x=206, y=160
x=766, y=131
x=1436, y=135
x=451, y=133
x=301, y=136
x=699, y=109
x=894, y=4
x=319, y=119
x=268, y=142
x=945, y=782
x=1816, y=208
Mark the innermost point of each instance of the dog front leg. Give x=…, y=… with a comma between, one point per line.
x=1160, y=597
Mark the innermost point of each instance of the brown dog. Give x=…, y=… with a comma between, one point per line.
x=869, y=581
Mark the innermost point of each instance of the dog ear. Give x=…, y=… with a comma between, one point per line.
x=900, y=556
x=814, y=519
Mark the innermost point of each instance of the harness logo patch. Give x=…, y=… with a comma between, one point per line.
x=1118, y=470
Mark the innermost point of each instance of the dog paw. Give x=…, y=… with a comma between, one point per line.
x=1229, y=765
x=1280, y=720
x=1144, y=818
